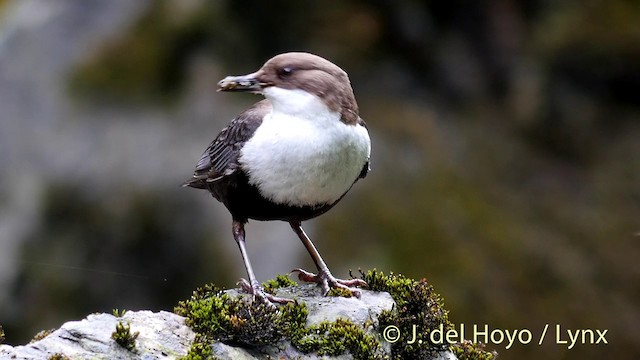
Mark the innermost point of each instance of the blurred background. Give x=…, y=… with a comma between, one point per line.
x=505, y=166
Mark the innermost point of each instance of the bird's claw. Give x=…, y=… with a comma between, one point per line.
x=259, y=294
x=328, y=281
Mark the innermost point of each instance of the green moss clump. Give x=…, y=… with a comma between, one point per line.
x=280, y=281
x=41, y=335
x=1, y=335
x=398, y=286
x=216, y=316
x=124, y=337
x=418, y=305
x=339, y=292
x=335, y=338
x=118, y=313
x=58, y=356
x=472, y=351
x=199, y=350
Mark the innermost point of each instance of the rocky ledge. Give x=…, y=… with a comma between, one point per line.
x=217, y=324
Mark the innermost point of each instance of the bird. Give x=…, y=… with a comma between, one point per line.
x=290, y=157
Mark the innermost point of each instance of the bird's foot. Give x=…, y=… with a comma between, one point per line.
x=259, y=294
x=328, y=281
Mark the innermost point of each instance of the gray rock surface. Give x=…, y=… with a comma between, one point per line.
x=164, y=335
x=327, y=308
x=321, y=308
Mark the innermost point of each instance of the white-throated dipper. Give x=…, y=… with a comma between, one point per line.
x=289, y=157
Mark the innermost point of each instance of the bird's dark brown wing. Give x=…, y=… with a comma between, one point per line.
x=367, y=167
x=220, y=159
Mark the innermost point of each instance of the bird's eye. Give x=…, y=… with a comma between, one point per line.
x=285, y=71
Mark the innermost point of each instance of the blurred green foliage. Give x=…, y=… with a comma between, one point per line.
x=146, y=66
x=129, y=251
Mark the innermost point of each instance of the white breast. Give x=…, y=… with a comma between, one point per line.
x=304, y=155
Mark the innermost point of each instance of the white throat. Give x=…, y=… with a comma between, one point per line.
x=302, y=154
x=297, y=103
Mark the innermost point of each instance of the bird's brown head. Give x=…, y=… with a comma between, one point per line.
x=304, y=71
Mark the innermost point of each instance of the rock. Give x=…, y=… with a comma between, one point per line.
x=162, y=335
x=165, y=335
x=321, y=308
x=329, y=308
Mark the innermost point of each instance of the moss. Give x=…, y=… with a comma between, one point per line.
x=58, y=356
x=118, y=313
x=339, y=292
x=216, y=316
x=335, y=338
x=124, y=337
x=472, y=351
x=280, y=281
x=199, y=350
x=417, y=305
x=2, y=336
x=41, y=335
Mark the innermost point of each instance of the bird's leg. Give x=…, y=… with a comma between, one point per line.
x=252, y=286
x=323, y=277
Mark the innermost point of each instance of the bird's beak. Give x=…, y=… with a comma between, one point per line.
x=248, y=83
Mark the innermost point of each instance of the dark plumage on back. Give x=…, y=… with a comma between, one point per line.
x=220, y=159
